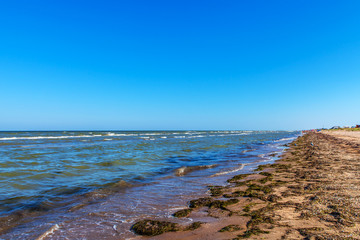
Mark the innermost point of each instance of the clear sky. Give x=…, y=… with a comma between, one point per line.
x=146, y=65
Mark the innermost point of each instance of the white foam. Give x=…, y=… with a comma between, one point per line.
x=48, y=232
x=285, y=139
x=121, y=134
x=229, y=171
x=47, y=137
x=197, y=136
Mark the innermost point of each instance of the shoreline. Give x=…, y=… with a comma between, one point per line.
x=90, y=205
x=309, y=193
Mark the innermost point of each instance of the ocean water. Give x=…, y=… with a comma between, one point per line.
x=104, y=181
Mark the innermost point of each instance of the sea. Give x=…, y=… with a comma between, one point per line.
x=96, y=184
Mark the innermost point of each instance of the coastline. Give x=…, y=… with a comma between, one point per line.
x=310, y=193
x=101, y=213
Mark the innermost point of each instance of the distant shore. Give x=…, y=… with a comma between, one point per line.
x=312, y=192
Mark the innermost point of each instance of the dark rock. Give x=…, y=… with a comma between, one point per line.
x=151, y=228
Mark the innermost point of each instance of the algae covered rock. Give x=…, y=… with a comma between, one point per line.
x=200, y=202
x=216, y=191
x=182, y=213
x=152, y=227
x=193, y=226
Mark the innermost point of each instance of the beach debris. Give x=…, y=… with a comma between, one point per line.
x=152, y=227
x=115, y=228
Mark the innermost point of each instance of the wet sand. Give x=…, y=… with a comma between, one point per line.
x=312, y=192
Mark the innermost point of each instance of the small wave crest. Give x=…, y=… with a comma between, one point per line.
x=247, y=150
x=47, y=137
x=185, y=170
x=48, y=232
x=229, y=171
x=285, y=139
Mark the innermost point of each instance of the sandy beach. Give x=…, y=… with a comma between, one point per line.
x=312, y=192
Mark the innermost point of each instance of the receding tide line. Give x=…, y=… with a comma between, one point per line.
x=230, y=171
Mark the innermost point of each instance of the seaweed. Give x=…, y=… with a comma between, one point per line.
x=262, y=167
x=216, y=191
x=237, y=178
x=266, y=179
x=247, y=207
x=201, y=202
x=230, y=228
x=252, y=231
x=223, y=204
x=273, y=198
x=151, y=227
x=264, y=189
x=267, y=174
x=193, y=226
x=182, y=213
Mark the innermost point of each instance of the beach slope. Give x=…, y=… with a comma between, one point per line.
x=312, y=192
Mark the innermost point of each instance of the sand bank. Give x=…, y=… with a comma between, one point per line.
x=312, y=192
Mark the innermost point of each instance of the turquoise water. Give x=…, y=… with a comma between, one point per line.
x=44, y=168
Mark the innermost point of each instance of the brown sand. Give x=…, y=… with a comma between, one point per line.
x=311, y=193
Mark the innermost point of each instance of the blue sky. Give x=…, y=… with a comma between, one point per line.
x=147, y=65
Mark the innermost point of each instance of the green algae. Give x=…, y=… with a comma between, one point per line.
x=238, y=177
x=265, y=189
x=230, y=228
x=273, y=198
x=182, y=213
x=216, y=191
x=247, y=207
x=267, y=174
x=252, y=231
x=151, y=227
x=262, y=167
x=265, y=180
x=201, y=202
x=223, y=204
x=193, y=226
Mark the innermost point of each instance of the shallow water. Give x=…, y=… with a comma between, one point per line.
x=111, y=179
